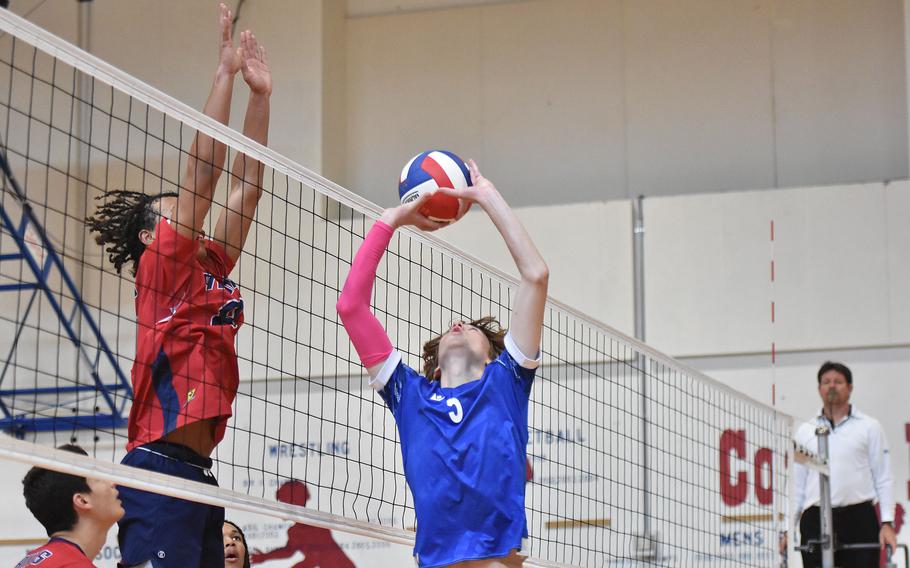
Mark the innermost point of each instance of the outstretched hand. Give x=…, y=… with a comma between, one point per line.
x=480, y=190
x=254, y=65
x=409, y=214
x=229, y=56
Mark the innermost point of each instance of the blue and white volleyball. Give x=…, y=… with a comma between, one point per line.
x=429, y=171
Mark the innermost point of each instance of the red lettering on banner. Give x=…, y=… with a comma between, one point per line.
x=734, y=486
x=764, y=488
x=732, y=493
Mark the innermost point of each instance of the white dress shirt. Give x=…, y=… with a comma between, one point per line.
x=859, y=460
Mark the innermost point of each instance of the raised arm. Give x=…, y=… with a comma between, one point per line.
x=235, y=220
x=206, y=158
x=368, y=336
x=528, y=308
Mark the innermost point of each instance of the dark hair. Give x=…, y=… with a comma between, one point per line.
x=246, y=548
x=839, y=367
x=49, y=495
x=118, y=221
x=488, y=325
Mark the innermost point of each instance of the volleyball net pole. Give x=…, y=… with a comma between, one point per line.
x=648, y=545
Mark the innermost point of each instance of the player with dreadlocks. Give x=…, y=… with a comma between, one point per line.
x=185, y=375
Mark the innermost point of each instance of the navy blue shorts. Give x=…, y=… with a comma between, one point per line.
x=166, y=531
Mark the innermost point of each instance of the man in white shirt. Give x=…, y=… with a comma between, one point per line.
x=860, y=475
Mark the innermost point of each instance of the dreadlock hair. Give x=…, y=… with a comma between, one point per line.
x=488, y=325
x=118, y=221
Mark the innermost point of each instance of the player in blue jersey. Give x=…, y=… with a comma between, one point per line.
x=463, y=425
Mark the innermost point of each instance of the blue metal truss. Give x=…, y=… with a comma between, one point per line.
x=108, y=413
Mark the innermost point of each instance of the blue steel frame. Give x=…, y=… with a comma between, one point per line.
x=110, y=415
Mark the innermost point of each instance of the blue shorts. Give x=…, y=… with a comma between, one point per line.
x=166, y=531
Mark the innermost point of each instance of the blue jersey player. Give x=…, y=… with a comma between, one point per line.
x=463, y=424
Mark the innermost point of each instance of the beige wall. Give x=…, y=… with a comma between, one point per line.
x=559, y=100
x=489, y=83
x=334, y=126
x=580, y=100
x=173, y=45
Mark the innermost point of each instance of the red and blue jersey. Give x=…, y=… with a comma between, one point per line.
x=188, y=311
x=57, y=553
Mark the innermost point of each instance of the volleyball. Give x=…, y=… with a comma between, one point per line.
x=428, y=171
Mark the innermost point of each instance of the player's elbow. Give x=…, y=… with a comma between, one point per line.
x=203, y=179
x=251, y=174
x=343, y=306
x=203, y=168
x=346, y=307
x=538, y=276
x=252, y=192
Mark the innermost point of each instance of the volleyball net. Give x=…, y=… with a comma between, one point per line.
x=633, y=457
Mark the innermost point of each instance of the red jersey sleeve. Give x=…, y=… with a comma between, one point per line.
x=219, y=256
x=165, y=269
x=168, y=257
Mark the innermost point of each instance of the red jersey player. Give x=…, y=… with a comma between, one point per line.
x=76, y=513
x=188, y=310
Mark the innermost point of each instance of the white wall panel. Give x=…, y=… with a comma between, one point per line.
x=832, y=268
x=588, y=248
x=708, y=270
x=897, y=206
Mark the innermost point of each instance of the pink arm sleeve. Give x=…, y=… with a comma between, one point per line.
x=366, y=333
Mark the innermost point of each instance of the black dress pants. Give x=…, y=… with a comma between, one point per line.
x=853, y=524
